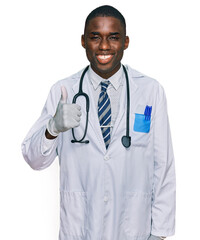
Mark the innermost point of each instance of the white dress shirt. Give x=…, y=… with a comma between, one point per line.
x=113, y=91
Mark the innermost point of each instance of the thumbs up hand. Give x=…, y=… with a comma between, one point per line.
x=67, y=116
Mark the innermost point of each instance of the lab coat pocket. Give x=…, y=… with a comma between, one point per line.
x=140, y=134
x=73, y=213
x=137, y=214
x=142, y=123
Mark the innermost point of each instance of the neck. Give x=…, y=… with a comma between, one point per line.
x=106, y=74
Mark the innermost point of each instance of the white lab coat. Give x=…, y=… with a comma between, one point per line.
x=118, y=193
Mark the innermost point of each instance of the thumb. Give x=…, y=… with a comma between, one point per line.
x=64, y=94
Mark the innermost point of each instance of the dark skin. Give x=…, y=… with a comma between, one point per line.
x=105, y=36
x=104, y=40
x=48, y=135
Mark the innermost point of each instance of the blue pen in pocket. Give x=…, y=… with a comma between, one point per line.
x=147, y=112
x=143, y=121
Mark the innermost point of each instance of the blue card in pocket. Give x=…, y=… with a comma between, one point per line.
x=143, y=121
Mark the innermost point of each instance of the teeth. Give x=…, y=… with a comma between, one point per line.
x=104, y=56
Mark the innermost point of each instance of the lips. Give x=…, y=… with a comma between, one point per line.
x=104, y=58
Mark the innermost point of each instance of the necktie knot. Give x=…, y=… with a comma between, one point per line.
x=104, y=85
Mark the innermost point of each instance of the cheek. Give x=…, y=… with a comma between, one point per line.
x=90, y=55
x=119, y=48
x=90, y=50
x=91, y=46
x=120, y=53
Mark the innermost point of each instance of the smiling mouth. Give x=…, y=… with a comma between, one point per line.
x=103, y=59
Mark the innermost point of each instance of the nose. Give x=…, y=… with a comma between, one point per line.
x=104, y=44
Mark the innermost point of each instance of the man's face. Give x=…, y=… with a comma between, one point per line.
x=104, y=41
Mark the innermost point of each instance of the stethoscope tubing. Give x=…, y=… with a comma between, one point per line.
x=81, y=93
x=126, y=140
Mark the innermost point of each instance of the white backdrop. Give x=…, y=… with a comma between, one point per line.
x=40, y=44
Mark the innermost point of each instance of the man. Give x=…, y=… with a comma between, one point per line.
x=108, y=191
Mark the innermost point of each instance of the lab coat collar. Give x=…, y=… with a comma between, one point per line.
x=133, y=73
x=115, y=80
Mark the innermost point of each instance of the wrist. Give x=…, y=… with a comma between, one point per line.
x=51, y=130
x=48, y=135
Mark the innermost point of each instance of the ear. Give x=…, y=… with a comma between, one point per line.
x=83, y=41
x=126, y=42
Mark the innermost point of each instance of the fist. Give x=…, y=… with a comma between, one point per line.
x=67, y=116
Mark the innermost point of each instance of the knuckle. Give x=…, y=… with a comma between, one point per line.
x=77, y=124
x=78, y=107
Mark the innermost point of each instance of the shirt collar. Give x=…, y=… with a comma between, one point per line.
x=115, y=80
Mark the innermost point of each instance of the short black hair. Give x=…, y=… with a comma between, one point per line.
x=106, y=11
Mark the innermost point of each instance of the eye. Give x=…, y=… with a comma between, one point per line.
x=114, y=38
x=95, y=38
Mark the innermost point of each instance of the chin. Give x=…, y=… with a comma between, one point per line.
x=105, y=68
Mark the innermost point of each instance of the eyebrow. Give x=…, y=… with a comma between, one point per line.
x=114, y=33
x=111, y=33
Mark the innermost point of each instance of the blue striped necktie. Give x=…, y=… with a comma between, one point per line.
x=104, y=112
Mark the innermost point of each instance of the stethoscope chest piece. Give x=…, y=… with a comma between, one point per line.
x=126, y=141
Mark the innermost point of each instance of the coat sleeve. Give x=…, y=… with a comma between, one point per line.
x=32, y=146
x=164, y=181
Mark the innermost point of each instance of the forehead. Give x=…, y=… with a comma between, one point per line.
x=104, y=24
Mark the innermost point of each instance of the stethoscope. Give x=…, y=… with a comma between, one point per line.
x=126, y=140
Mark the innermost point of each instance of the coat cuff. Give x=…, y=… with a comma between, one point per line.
x=47, y=145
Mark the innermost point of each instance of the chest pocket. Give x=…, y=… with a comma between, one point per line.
x=141, y=123
x=141, y=126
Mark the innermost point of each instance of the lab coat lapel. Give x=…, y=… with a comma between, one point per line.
x=75, y=89
x=122, y=107
x=93, y=120
x=123, y=100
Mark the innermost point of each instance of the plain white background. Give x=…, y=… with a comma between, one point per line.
x=40, y=44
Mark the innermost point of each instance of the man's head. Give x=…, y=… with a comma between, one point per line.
x=105, y=40
x=106, y=11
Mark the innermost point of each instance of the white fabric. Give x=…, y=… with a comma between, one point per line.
x=154, y=238
x=118, y=193
x=46, y=145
